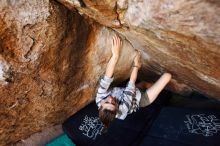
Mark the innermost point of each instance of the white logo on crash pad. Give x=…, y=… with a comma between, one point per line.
x=207, y=125
x=91, y=127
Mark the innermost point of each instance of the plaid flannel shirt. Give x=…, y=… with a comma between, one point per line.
x=128, y=98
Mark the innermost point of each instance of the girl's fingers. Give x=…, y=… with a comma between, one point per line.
x=116, y=40
x=119, y=41
x=136, y=53
x=113, y=41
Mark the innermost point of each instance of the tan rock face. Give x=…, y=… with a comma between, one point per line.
x=50, y=62
x=181, y=37
x=42, y=46
x=51, y=58
x=101, y=11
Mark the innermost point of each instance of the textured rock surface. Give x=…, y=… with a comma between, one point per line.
x=182, y=37
x=50, y=62
x=41, y=44
x=51, y=58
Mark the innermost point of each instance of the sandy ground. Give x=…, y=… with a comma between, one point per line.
x=41, y=138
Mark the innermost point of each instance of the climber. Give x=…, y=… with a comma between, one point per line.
x=119, y=102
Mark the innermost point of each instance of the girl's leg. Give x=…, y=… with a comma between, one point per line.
x=149, y=91
x=157, y=87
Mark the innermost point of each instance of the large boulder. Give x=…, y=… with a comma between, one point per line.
x=181, y=37
x=50, y=63
x=51, y=58
x=42, y=48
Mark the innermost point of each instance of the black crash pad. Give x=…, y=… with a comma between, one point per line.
x=84, y=128
x=182, y=126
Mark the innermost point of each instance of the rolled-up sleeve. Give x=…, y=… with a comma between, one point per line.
x=102, y=91
x=126, y=101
